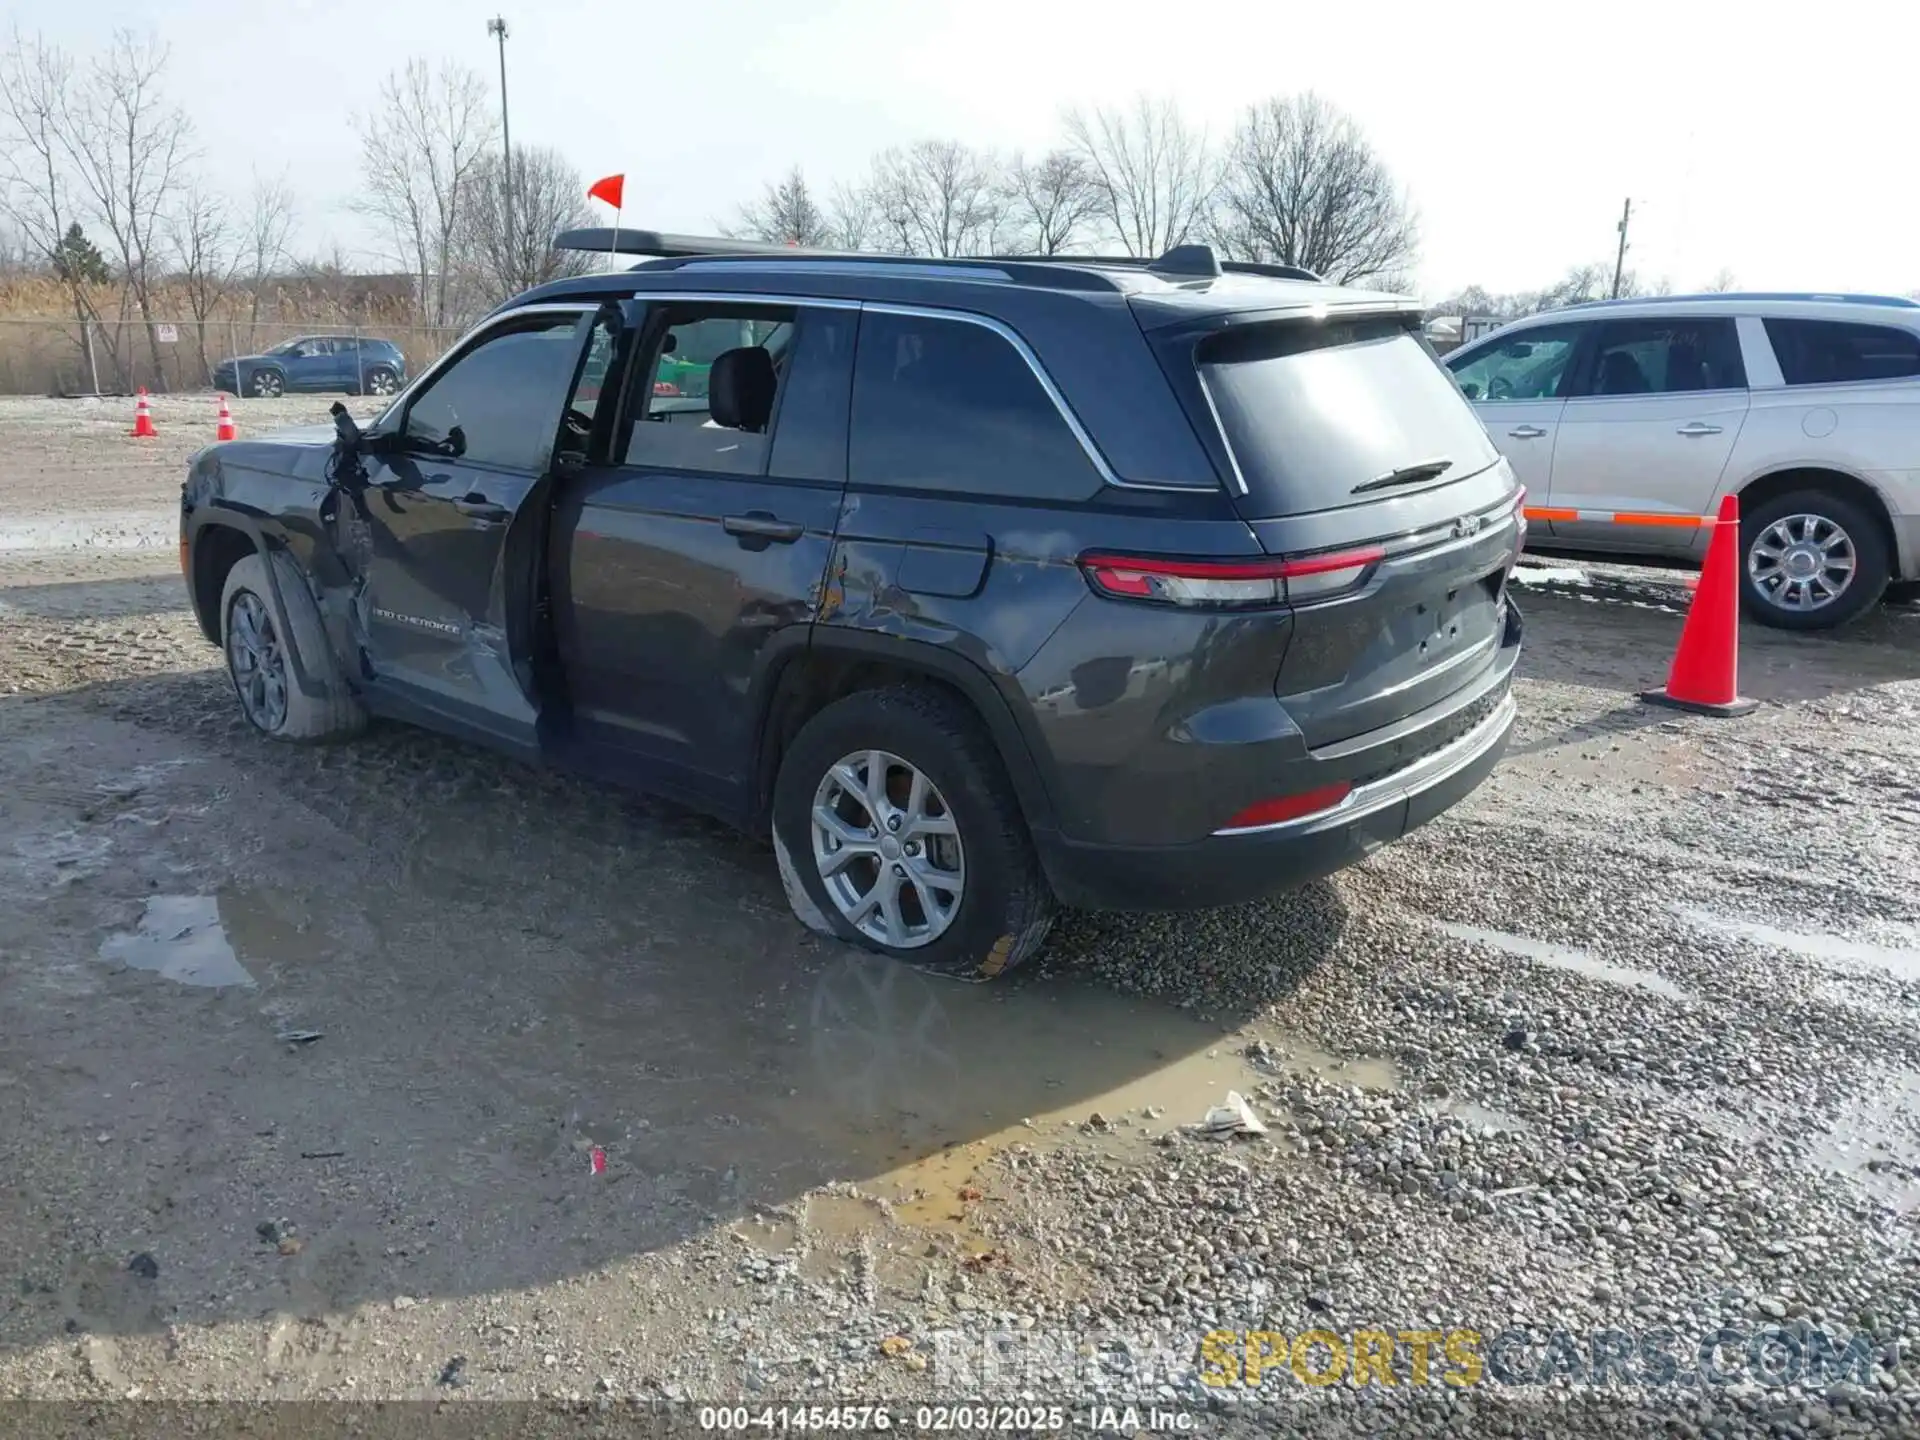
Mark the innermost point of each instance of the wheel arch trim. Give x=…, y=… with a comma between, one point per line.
x=265, y=540
x=1900, y=544
x=976, y=686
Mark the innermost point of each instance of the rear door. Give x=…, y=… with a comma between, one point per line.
x=705, y=537
x=440, y=526
x=1347, y=445
x=1651, y=418
x=1517, y=385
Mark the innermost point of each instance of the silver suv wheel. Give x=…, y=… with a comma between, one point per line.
x=1802, y=562
x=888, y=850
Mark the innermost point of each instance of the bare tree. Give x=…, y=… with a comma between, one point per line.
x=269, y=225
x=36, y=183
x=937, y=197
x=1152, y=175
x=547, y=197
x=1301, y=186
x=852, y=217
x=421, y=146
x=131, y=150
x=1050, y=202
x=206, y=250
x=786, y=214
x=1723, y=280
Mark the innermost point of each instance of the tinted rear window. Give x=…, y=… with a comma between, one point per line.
x=1831, y=352
x=1309, y=411
x=950, y=405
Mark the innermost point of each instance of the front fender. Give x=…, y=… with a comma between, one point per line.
x=228, y=489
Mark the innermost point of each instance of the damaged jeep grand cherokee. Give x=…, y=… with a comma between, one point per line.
x=981, y=586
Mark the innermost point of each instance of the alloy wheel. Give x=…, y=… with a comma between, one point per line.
x=888, y=849
x=1802, y=562
x=258, y=661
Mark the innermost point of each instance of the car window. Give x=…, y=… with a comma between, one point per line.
x=316, y=347
x=1665, y=357
x=680, y=421
x=1527, y=366
x=505, y=394
x=1310, y=414
x=1832, y=352
x=949, y=405
x=810, y=442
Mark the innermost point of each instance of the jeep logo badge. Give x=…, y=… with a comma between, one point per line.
x=1467, y=525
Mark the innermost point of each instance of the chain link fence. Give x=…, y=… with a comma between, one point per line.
x=47, y=356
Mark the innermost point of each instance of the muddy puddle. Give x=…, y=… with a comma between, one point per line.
x=1562, y=957
x=931, y=1088
x=180, y=938
x=206, y=940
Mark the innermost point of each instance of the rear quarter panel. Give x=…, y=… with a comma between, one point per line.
x=1868, y=431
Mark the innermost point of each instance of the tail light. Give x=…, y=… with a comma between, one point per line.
x=1520, y=518
x=1228, y=584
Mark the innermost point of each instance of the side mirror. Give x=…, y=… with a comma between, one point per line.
x=345, y=429
x=456, y=442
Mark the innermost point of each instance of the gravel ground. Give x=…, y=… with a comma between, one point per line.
x=1624, y=1045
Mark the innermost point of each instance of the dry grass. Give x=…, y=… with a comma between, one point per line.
x=40, y=345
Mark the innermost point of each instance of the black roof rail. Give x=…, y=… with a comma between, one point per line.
x=1195, y=261
x=1181, y=262
x=654, y=243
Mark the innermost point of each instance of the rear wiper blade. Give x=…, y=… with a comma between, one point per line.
x=1405, y=475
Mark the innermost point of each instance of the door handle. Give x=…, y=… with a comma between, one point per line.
x=478, y=507
x=760, y=525
x=1526, y=432
x=1698, y=427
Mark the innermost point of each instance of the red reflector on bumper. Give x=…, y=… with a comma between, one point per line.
x=1289, y=807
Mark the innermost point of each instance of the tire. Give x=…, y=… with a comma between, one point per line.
x=1808, y=523
x=380, y=380
x=250, y=620
x=266, y=384
x=1004, y=907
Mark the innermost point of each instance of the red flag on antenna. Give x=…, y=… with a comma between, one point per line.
x=609, y=190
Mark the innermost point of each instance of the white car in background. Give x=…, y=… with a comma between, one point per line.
x=1805, y=406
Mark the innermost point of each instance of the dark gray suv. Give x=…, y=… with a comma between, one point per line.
x=980, y=586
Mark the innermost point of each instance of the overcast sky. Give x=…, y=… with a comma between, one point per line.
x=1775, y=141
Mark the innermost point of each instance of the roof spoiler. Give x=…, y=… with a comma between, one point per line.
x=608, y=240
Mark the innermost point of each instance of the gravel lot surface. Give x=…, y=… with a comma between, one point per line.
x=400, y=1071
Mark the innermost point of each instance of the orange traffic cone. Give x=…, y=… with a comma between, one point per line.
x=1705, y=677
x=143, y=417
x=226, y=430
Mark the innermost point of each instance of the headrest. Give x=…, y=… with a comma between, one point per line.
x=740, y=388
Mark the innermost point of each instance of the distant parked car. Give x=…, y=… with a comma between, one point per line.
x=330, y=363
x=1805, y=406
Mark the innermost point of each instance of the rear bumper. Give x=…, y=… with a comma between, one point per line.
x=1230, y=869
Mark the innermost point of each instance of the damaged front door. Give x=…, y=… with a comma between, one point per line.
x=453, y=480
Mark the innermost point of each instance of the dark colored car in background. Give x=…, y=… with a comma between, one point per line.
x=344, y=364
x=981, y=586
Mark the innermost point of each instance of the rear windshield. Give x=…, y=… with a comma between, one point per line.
x=1311, y=410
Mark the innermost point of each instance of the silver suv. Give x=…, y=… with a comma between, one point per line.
x=1806, y=406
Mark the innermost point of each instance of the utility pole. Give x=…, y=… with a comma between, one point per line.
x=497, y=27
x=1619, y=259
